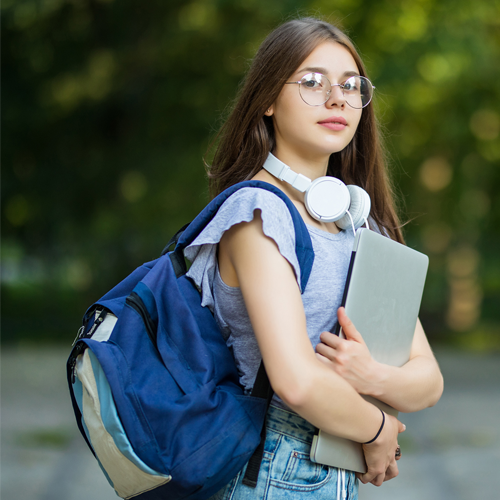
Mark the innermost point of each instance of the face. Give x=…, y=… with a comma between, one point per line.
x=315, y=132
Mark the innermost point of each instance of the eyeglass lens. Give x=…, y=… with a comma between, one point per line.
x=315, y=89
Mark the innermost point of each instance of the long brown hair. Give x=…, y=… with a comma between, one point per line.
x=247, y=136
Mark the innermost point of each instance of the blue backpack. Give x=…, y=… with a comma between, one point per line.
x=154, y=387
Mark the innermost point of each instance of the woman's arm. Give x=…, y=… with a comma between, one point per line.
x=416, y=385
x=251, y=260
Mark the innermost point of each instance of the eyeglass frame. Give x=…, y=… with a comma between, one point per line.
x=331, y=88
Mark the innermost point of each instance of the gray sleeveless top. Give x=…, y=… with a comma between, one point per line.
x=322, y=295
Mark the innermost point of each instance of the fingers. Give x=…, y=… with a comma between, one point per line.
x=401, y=427
x=331, y=340
x=326, y=351
x=392, y=471
x=324, y=359
x=362, y=477
x=348, y=327
x=376, y=478
x=375, y=473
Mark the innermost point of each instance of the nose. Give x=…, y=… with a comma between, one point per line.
x=336, y=97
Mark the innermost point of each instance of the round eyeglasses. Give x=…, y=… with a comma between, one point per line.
x=315, y=89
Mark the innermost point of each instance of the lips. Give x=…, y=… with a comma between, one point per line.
x=334, y=123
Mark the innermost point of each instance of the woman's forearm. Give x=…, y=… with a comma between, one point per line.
x=326, y=400
x=416, y=385
x=412, y=387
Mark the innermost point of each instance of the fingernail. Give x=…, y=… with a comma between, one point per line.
x=404, y=427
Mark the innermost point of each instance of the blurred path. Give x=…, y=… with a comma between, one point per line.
x=450, y=452
x=43, y=455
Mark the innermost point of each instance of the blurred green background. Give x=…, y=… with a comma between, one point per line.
x=108, y=108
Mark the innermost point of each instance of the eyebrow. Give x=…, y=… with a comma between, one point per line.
x=324, y=71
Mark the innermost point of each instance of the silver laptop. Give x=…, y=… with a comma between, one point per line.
x=382, y=297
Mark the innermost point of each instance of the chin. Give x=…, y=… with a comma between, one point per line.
x=331, y=150
x=336, y=147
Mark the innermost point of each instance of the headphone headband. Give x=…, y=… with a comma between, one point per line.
x=327, y=199
x=284, y=173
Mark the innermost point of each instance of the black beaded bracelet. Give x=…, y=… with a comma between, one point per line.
x=379, y=431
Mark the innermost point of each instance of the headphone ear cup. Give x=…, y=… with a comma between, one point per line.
x=327, y=199
x=359, y=208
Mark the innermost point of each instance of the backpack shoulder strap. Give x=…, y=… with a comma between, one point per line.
x=305, y=256
x=303, y=244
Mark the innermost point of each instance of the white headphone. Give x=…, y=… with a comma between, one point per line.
x=327, y=199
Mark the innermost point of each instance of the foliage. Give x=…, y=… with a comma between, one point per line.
x=109, y=107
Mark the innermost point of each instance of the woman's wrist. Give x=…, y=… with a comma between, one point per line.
x=380, y=373
x=379, y=430
x=373, y=426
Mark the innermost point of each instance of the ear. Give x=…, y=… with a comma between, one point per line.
x=269, y=111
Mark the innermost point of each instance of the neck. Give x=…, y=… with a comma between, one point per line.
x=311, y=167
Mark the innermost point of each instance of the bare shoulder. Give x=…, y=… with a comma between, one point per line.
x=245, y=247
x=236, y=247
x=245, y=233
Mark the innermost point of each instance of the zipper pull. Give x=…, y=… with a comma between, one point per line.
x=97, y=323
x=78, y=349
x=78, y=335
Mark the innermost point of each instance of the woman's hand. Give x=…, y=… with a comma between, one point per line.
x=349, y=357
x=380, y=455
x=414, y=386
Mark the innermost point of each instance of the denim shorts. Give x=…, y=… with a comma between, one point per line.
x=286, y=472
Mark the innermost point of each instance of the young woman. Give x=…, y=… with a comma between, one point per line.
x=306, y=100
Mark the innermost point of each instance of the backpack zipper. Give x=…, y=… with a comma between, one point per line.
x=101, y=316
x=135, y=301
x=79, y=348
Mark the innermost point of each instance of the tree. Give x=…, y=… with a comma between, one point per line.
x=110, y=105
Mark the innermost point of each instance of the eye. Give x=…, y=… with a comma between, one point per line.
x=312, y=81
x=351, y=84
x=311, y=84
